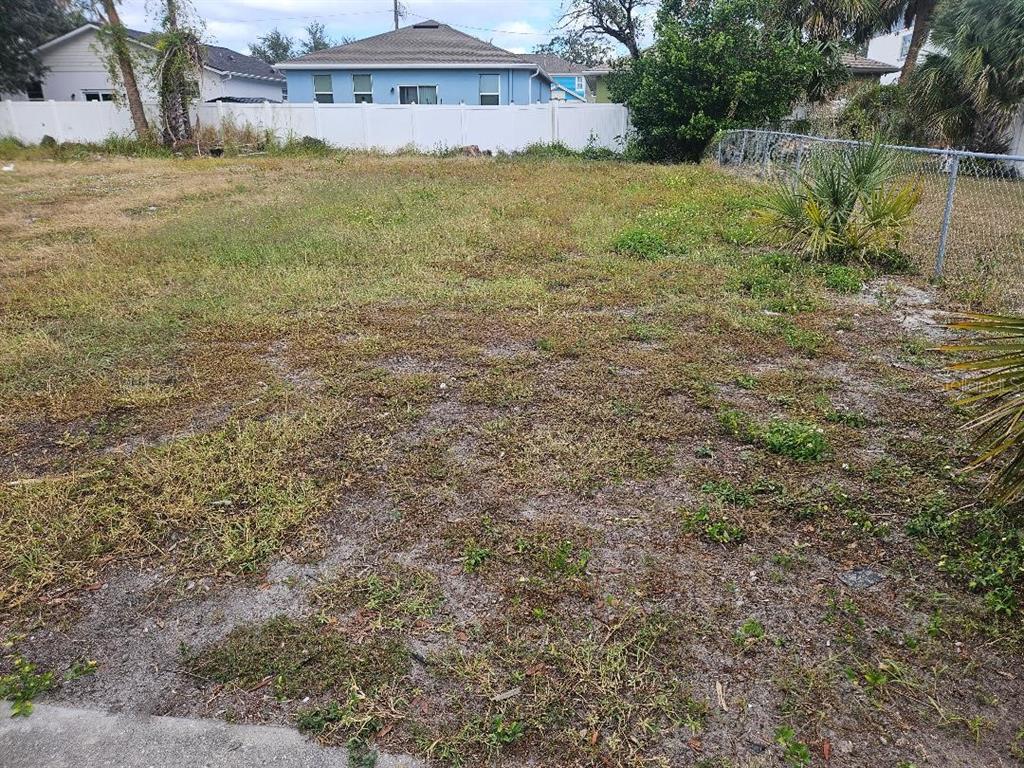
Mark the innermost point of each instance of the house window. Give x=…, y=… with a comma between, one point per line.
x=579, y=84
x=417, y=94
x=905, y=45
x=98, y=95
x=362, y=89
x=490, y=90
x=323, y=89
x=34, y=91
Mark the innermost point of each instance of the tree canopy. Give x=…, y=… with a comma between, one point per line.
x=969, y=91
x=583, y=48
x=275, y=46
x=714, y=64
x=26, y=25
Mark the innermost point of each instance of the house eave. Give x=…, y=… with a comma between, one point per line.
x=303, y=65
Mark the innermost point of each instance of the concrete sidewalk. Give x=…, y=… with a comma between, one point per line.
x=68, y=737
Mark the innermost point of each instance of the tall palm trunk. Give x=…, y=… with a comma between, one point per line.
x=922, y=27
x=119, y=46
x=179, y=59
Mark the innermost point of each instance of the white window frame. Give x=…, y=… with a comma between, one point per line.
x=99, y=94
x=323, y=93
x=437, y=92
x=356, y=94
x=581, y=86
x=480, y=92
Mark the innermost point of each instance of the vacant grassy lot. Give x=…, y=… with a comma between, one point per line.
x=509, y=461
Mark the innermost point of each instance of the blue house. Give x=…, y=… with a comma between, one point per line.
x=427, y=63
x=568, y=80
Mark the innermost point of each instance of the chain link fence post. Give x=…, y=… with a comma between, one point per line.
x=743, y=148
x=947, y=215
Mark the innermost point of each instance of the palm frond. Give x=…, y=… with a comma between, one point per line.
x=994, y=388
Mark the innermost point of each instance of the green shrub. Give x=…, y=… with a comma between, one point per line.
x=713, y=66
x=307, y=145
x=845, y=206
x=879, y=110
x=639, y=243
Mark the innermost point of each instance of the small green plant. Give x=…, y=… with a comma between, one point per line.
x=474, y=556
x=728, y=493
x=846, y=205
x=23, y=685
x=504, y=732
x=750, y=633
x=798, y=440
x=794, y=752
x=712, y=528
x=640, y=244
x=843, y=279
x=776, y=281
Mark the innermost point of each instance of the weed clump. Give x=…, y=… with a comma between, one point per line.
x=640, y=243
x=798, y=440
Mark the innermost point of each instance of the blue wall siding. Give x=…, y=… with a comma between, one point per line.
x=454, y=86
x=569, y=83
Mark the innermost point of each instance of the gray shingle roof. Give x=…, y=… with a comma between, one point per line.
x=554, y=65
x=428, y=42
x=227, y=60
x=862, y=65
x=222, y=59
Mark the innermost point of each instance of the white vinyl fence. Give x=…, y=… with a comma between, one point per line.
x=386, y=127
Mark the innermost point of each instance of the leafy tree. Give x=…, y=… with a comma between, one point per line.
x=578, y=47
x=273, y=47
x=621, y=20
x=316, y=39
x=968, y=93
x=26, y=25
x=714, y=64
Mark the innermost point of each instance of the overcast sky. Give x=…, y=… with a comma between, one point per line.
x=517, y=25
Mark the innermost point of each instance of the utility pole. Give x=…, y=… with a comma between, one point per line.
x=396, y=13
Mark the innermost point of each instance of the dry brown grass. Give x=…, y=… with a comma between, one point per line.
x=520, y=484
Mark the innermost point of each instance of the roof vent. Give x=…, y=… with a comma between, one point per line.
x=428, y=24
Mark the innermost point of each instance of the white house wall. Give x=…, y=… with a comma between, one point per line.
x=887, y=48
x=78, y=65
x=213, y=86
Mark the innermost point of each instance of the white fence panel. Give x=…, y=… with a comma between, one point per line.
x=387, y=127
x=578, y=125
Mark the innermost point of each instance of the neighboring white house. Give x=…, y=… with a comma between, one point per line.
x=76, y=70
x=892, y=48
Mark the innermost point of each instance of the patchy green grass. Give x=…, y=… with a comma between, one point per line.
x=540, y=461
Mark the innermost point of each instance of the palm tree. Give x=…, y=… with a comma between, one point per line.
x=918, y=14
x=969, y=93
x=116, y=38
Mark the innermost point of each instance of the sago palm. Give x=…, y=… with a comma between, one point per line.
x=994, y=387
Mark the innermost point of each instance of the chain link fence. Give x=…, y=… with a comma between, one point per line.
x=968, y=229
